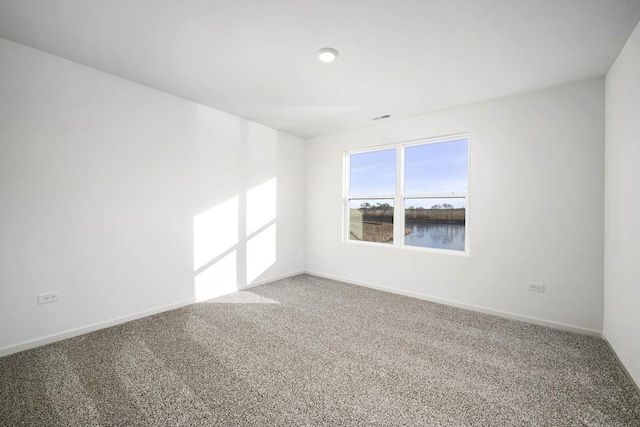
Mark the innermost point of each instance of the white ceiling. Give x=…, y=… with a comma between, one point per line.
x=256, y=58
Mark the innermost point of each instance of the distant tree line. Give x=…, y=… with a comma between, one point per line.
x=444, y=213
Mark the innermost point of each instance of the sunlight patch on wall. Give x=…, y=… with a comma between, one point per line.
x=215, y=231
x=219, y=279
x=261, y=205
x=261, y=252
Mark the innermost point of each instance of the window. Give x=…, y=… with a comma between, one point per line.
x=409, y=194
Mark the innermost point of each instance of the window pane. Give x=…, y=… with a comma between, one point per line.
x=440, y=167
x=435, y=223
x=371, y=220
x=372, y=173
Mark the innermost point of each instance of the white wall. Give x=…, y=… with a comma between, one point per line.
x=536, y=198
x=100, y=182
x=622, y=189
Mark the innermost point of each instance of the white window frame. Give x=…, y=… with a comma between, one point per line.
x=400, y=196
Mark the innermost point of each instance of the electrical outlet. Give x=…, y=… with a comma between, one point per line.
x=535, y=287
x=47, y=298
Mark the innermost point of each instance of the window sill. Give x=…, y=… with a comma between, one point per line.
x=453, y=252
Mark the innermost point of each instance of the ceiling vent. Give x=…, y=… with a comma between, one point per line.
x=386, y=116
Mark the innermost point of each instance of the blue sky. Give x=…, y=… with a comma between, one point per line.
x=373, y=173
x=429, y=168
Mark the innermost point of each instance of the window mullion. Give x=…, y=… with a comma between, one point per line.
x=398, y=211
x=436, y=196
x=373, y=196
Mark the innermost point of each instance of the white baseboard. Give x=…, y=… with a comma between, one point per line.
x=480, y=309
x=273, y=279
x=48, y=339
x=26, y=345
x=624, y=368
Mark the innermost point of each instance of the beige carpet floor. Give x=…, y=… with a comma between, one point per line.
x=310, y=351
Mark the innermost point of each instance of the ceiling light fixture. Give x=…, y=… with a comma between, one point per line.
x=327, y=54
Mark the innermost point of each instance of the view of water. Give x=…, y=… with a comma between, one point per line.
x=441, y=236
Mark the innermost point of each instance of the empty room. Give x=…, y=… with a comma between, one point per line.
x=319, y=213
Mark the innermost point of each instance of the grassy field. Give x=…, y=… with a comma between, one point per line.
x=381, y=232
